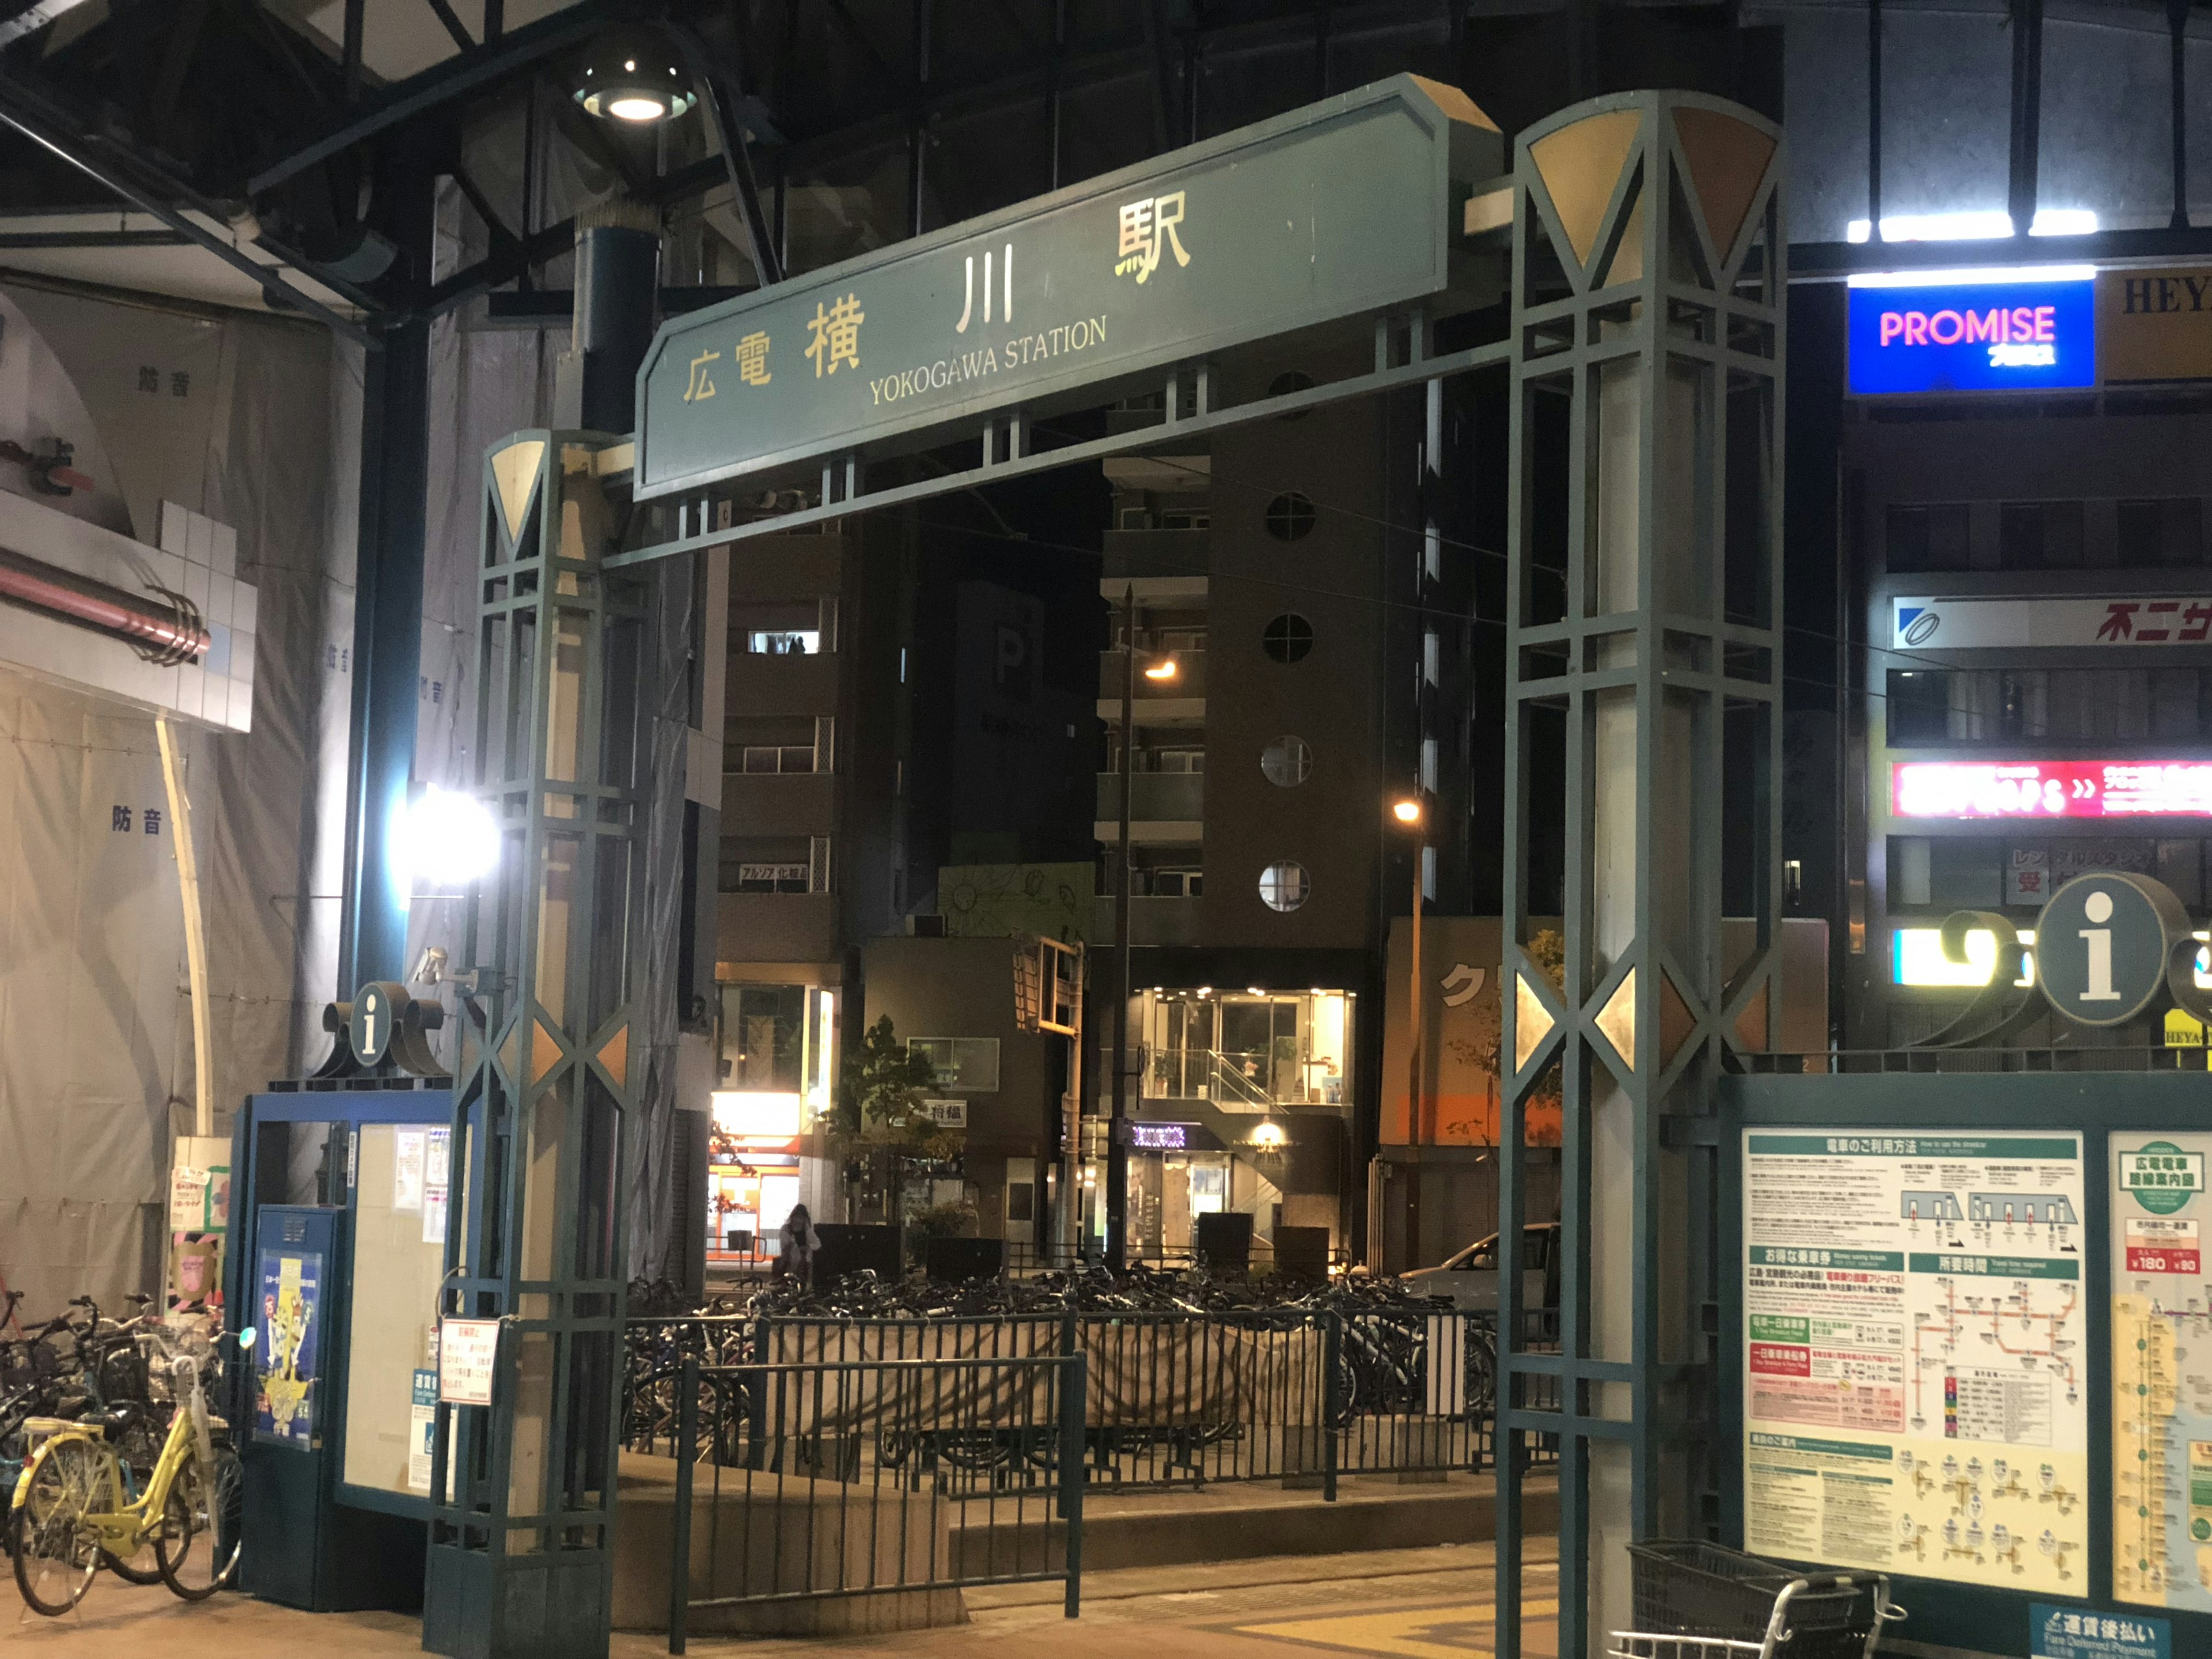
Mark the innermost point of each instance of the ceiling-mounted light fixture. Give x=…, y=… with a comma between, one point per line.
x=633, y=76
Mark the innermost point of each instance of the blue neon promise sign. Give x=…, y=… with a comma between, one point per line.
x=1974, y=330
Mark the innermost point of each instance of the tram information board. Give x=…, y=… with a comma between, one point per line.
x=1913, y=1366
x=2161, y=1372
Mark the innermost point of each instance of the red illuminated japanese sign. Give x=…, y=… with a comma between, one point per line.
x=2051, y=789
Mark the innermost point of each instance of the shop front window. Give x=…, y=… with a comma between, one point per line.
x=1248, y=1051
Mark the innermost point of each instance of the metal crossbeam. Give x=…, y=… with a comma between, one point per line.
x=1190, y=427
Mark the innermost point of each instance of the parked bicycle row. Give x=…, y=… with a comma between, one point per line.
x=111, y=1457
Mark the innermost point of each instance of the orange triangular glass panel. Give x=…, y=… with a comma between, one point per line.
x=1751, y=1023
x=514, y=471
x=1677, y=1021
x=544, y=1050
x=1625, y=264
x=614, y=1055
x=1580, y=165
x=1728, y=160
x=510, y=1053
x=1531, y=1021
x=1616, y=1019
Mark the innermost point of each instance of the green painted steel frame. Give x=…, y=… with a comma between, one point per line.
x=2095, y=1103
x=1559, y=347
x=556, y=761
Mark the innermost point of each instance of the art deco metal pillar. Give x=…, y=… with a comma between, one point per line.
x=1645, y=650
x=521, y=1550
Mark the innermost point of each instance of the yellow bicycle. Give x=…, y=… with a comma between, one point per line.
x=71, y=1510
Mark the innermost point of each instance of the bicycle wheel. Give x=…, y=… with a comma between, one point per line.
x=198, y=1541
x=55, y=1549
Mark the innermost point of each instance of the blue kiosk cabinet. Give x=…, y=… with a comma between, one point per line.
x=344, y=1184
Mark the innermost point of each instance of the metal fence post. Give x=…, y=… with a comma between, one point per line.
x=1332, y=1355
x=679, y=1521
x=1072, y=1475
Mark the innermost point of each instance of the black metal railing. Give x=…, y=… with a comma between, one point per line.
x=800, y=1481
x=1169, y=1399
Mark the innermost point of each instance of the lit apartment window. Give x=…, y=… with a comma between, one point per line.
x=967, y=1064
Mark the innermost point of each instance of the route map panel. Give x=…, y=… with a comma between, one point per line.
x=1915, y=1396
x=2161, y=1372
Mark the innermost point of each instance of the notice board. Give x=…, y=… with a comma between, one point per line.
x=1914, y=1326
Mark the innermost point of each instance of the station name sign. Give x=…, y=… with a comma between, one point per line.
x=2051, y=789
x=1348, y=207
x=1918, y=623
x=1973, y=330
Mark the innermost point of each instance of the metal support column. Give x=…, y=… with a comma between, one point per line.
x=521, y=1557
x=1644, y=645
x=386, y=654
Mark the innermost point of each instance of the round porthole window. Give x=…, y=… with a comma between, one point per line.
x=1288, y=637
x=1290, y=517
x=1286, y=761
x=1283, y=884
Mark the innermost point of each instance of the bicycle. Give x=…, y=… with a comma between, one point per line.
x=69, y=1514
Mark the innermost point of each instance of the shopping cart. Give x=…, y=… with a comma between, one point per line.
x=1697, y=1601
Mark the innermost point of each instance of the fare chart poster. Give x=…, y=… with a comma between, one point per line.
x=2161, y=1372
x=1914, y=1335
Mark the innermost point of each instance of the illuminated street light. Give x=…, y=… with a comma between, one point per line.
x=1161, y=670
x=1407, y=811
x=448, y=840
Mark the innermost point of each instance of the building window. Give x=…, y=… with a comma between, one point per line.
x=1290, y=517
x=1286, y=761
x=2165, y=534
x=1283, y=884
x=1919, y=706
x=1288, y=637
x=2039, y=536
x=1181, y=883
x=1922, y=538
x=968, y=1064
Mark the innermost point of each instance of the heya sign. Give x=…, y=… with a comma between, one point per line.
x=1918, y=623
x=2051, y=789
x=1973, y=330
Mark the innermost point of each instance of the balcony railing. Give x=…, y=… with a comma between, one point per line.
x=1154, y=797
x=1240, y=1082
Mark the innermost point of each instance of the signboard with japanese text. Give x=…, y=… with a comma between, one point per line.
x=2051, y=789
x=1972, y=331
x=2084, y=1633
x=2155, y=325
x=1923, y=623
x=468, y=1357
x=1346, y=207
x=1916, y=1393
x=2161, y=1370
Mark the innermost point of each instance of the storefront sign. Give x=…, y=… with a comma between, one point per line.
x=2051, y=789
x=468, y=1353
x=1918, y=623
x=1973, y=330
x=1915, y=1400
x=2155, y=325
x=1227, y=242
x=947, y=1114
x=1169, y=1137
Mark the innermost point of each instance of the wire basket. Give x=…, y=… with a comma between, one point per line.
x=1692, y=1588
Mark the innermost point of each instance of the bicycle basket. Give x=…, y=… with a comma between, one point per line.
x=1696, y=1588
x=123, y=1377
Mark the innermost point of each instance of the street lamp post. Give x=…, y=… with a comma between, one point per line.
x=1408, y=812
x=1117, y=1153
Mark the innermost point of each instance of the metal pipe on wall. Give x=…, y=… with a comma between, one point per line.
x=164, y=628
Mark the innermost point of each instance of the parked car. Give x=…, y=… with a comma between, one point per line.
x=1470, y=1278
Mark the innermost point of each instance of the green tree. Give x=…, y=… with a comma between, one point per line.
x=880, y=1109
